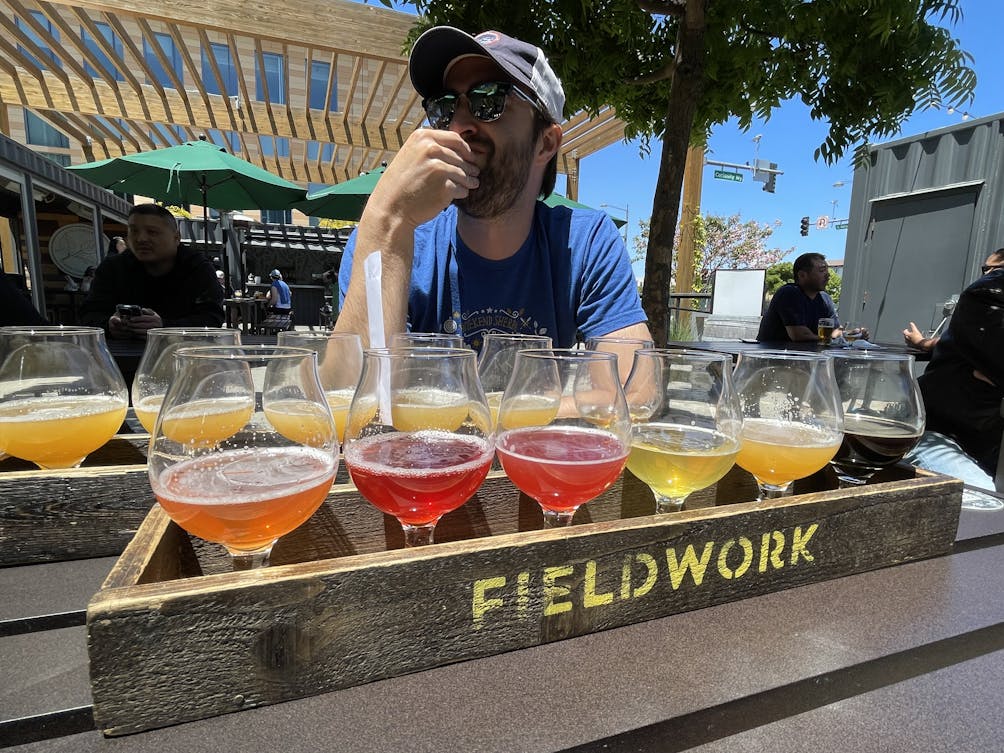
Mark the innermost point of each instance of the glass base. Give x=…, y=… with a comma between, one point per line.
x=773, y=491
x=558, y=518
x=668, y=504
x=851, y=482
x=418, y=535
x=250, y=560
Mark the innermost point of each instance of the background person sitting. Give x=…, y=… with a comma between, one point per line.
x=279, y=297
x=797, y=307
x=173, y=285
x=116, y=245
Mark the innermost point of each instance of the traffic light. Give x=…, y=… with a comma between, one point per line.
x=805, y=226
x=771, y=181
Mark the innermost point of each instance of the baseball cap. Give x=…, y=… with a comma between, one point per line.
x=440, y=47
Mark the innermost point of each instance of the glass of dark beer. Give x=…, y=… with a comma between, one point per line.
x=883, y=413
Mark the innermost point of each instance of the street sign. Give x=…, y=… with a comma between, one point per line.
x=822, y=222
x=727, y=175
x=839, y=225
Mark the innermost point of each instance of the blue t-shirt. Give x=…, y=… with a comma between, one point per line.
x=791, y=307
x=572, y=273
x=283, y=298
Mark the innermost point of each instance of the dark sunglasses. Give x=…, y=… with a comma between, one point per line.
x=485, y=101
x=988, y=268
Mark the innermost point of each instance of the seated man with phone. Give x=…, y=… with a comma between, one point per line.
x=156, y=282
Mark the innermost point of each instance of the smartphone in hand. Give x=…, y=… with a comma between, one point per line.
x=126, y=310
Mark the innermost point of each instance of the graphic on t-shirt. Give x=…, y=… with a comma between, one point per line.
x=477, y=324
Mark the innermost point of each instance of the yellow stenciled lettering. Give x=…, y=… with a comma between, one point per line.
x=774, y=555
x=626, y=577
x=522, y=593
x=799, y=542
x=723, y=555
x=689, y=562
x=553, y=591
x=653, y=571
x=589, y=596
x=482, y=605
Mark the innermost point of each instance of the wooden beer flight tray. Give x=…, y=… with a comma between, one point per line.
x=174, y=636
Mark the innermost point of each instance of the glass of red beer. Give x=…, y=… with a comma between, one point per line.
x=563, y=429
x=244, y=448
x=419, y=439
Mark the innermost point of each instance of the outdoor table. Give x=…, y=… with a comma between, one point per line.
x=250, y=311
x=902, y=659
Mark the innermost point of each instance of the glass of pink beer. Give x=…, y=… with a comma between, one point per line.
x=563, y=428
x=419, y=439
x=244, y=448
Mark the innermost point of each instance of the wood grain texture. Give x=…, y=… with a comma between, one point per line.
x=347, y=611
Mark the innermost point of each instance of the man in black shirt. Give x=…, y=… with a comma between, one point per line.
x=174, y=285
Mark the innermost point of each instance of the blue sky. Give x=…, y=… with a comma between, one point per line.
x=620, y=177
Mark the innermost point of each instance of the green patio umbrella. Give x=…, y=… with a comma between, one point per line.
x=342, y=201
x=557, y=200
x=195, y=172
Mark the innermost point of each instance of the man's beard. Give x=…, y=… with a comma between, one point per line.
x=502, y=181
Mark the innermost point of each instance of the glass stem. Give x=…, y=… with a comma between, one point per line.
x=244, y=560
x=773, y=491
x=668, y=504
x=558, y=518
x=418, y=535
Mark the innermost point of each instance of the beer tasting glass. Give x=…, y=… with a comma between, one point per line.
x=624, y=347
x=883, y=413
x=792, y=419
x=825, y=329
x=425, y=340
x=686, y=422
x=419, y=439
x=563, y=430
x=244, y=449
x=339, y=364
x=495, y=364
x=61, y=394
x=156, y=370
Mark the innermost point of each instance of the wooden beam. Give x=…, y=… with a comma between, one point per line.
x=179, y=86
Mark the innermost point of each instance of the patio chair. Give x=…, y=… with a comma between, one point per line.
x=275, y=323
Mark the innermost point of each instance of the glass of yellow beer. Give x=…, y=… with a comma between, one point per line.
x=244, y=448
x=156, y=368
x=825, y=327
x=686, y=422
x=495, y=364
x=61, y=394
x=339, y=365
x=792, y=417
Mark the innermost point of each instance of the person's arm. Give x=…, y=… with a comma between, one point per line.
x=98, y=309
x=432, y=169
x=914, y=337
x=202, y=299
x=977, y=329
x=799, y=333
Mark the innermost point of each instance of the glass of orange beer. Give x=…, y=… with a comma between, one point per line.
x=339, y=364
x=61, y=394
x=244, y=449
x=156, y=368
x=792, y=417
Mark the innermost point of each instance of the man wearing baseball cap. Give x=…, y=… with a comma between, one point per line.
x=467, y=245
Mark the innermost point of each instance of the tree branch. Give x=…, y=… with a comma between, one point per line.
x=660, y=74
x=663, y=7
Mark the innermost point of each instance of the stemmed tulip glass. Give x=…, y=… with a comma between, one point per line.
x=339, y=364
x=156, y=370
x=495, y=364
x=244, y=449
x=884, y=413
x=792, y=419
x=563, y=429
x=425, y=340
x=61, y=394
x=624, y=347
x=686, y=422
x=419, y=439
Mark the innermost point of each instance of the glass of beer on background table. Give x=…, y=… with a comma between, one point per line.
x=825, y=328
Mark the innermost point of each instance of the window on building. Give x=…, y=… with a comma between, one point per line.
x=40, y=133
x=274, y=65
x=172, y=134
x=315, y=148
x=274, y=146
x=46, y=24
x=228, y=71
x=98, y=52
x=277, y=216
x=229, y=140
x=60, y=159
x=319, y=71
x=171, y=54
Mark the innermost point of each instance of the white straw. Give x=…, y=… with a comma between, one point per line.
x=373, y=266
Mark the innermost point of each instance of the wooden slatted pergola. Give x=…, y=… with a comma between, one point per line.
x=315, y=92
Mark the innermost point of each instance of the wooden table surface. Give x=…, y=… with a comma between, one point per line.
x=905, y=659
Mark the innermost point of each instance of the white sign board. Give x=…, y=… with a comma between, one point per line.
x=738, y=292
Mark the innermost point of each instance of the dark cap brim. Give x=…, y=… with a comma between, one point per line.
x=433, y=53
